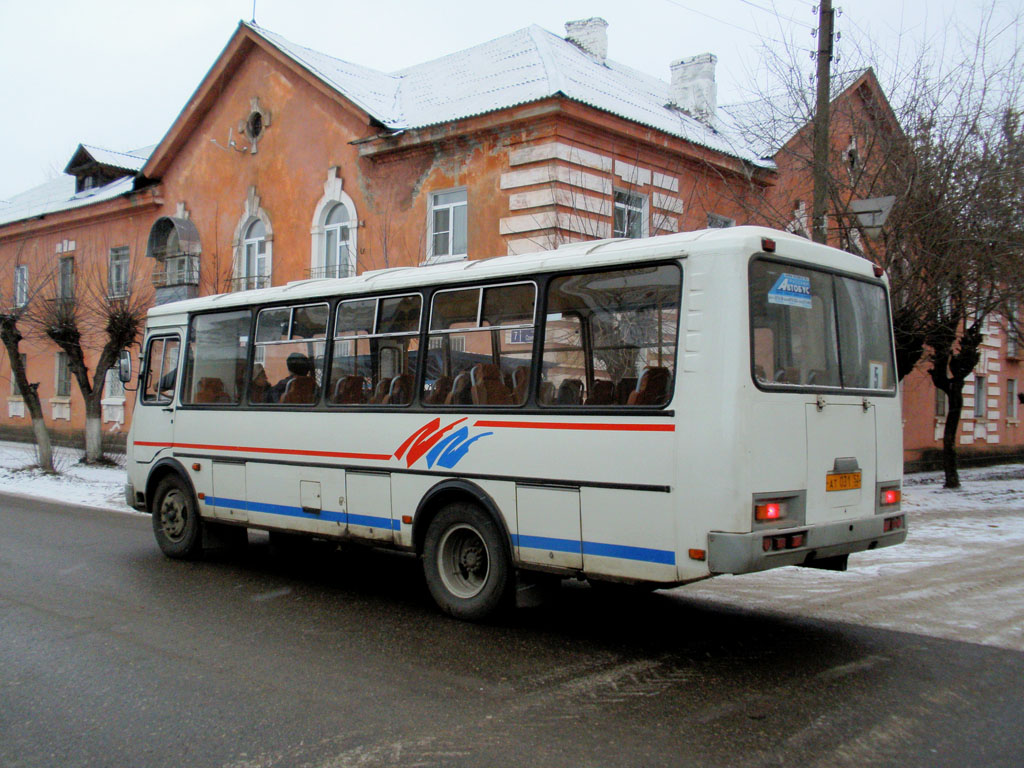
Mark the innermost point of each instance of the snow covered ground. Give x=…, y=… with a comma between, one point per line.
x=960, y=574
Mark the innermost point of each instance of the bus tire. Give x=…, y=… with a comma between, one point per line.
x=466, y=563
x=176, y=523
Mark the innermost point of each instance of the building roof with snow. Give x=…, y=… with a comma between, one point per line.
x=62, y=193
x=525, y=66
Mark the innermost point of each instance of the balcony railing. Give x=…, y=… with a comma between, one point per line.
x=182, y=269
x=248, y=283
x=334, y=270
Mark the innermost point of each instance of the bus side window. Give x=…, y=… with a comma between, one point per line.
x=376, y=343
x=610, y=338
x=289, y=351
x=481, y=346
x=217, y=350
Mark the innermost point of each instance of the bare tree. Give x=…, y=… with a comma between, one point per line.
x=92, y=314
x=11, y=335
x=944, y=149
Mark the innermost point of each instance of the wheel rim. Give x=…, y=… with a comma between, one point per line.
x=174, y=515
x=463, y=561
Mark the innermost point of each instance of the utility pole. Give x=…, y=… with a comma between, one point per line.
x=826, y=18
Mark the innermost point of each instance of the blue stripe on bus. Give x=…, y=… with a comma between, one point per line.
x=629, y=553
x=622, y=552
x=595, y=548
x=545, y=542
x=369, y=521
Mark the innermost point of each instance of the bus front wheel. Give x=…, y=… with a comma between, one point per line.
x=176, y=523
x=467, y=565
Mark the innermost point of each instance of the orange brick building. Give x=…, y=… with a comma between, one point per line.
x=287, y=164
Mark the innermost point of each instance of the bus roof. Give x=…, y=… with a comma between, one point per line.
x=743, y=241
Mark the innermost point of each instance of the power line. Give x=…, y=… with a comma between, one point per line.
x=726, y=23
x=778, y=15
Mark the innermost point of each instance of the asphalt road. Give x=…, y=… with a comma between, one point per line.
x=112, y=655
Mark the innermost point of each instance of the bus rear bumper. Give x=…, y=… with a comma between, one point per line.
x=748, y=552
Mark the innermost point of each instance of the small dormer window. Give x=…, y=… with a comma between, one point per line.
x=88, y=182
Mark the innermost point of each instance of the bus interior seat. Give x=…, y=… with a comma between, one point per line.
x=488, y=388
x=400, y=392
x=788, y=376
x=520, y=384
x=211, y=390
x=380, y=391
x=259, y=385
x=438, y=394
x=601, y=393
x=460, y=394
x=652, y=388
x=623, y=389
x=546, y=395
x=300, y=390
x=570, y=392
x=348, y=390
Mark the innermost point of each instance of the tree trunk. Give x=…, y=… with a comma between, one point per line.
x=93, y=430
x=11, y=337
x=44, y=451
x=949, y=434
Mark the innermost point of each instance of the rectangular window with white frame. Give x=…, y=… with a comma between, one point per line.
x=630, y=218
x=449, y=224
x=66, y=278
x=117, y=272
x=717, y=221
x=980, y=397
x=21, y=285
x=63, y=384
x=114, y=387
x=1011, y=399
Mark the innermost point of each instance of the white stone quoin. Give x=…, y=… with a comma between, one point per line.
x=591, y=35
x=693, y=88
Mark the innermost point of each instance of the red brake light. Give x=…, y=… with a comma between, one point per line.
x=767, y=245
x=891, y=496
x=770, y=510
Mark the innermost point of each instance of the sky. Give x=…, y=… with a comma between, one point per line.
x=116, y=73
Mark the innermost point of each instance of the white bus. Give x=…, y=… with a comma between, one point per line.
x=649, y=412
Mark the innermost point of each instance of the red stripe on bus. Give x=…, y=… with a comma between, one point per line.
x=578, y=425
x=282, y=451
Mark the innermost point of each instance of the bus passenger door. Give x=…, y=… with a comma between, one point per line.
x=548, y=521
x=368, y=504
x=153, y=420
x=229, y=491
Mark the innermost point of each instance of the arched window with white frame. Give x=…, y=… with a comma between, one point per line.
x=336, y=261
x=253, y=271
x=253, y=245
x=333, y=231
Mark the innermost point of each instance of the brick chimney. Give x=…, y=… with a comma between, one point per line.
x=693, y=88
x=590, y=36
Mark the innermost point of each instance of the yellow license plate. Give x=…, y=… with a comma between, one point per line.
x=842, y=481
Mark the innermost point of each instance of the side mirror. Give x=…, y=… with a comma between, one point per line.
x=124, y=366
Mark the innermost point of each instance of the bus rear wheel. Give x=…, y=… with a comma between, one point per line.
x=466, y=563
x=176, y=523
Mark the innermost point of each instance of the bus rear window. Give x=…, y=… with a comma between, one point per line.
x=814, y=329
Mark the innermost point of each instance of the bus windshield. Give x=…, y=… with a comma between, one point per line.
x=811, y=328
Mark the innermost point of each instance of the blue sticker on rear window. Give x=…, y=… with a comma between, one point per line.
x=791, y=290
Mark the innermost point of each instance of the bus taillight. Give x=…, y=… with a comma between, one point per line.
x=891, y=496
x=769, y=510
